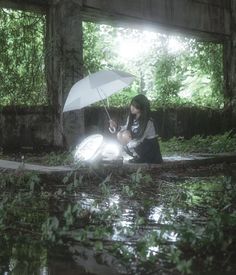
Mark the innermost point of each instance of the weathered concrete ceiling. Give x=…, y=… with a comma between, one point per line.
x=31, y=5
x=200, y=17
x=206, y=18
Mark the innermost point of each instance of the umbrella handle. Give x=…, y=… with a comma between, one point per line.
x=112, y=129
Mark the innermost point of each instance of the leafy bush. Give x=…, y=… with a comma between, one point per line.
x=22, y=75
x=198, y=144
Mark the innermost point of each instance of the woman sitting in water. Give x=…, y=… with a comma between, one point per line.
x=139, y=135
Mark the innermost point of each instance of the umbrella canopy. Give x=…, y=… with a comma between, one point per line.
x=95, y=87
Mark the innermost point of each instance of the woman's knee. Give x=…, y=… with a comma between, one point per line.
x=124, y=137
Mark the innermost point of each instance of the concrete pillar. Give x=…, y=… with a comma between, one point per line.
x=64, y=63
x=230, y=68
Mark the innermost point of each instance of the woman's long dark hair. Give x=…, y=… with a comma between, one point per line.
x=141, y=103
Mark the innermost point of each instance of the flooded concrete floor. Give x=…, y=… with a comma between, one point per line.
x=102, y=222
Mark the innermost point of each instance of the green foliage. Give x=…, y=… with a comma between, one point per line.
x=193, y=76
x=182, y=265
x=64, y=158
x=206, y=61
x=22, y=76
x=22, y=258
x=104, y=186
x=49, y=229
x=93, y=51
x=167, y=80
x=198, y=144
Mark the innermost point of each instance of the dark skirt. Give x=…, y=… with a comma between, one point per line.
x=148, y=151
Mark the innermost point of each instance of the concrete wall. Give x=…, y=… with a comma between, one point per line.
x=26, y=127
x=185, y=122
x=30, y=129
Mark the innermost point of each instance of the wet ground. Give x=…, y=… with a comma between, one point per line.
x=99, y=221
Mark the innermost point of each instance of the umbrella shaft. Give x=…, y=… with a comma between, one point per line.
x=107, y=112
x=102, y=99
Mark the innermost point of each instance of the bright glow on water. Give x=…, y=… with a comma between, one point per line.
x=114, y=200
x=156, y=213
x=44, y=271
x=153, y=250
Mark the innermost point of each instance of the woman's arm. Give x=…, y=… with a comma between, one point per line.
x=149, y=133
x=114, y=125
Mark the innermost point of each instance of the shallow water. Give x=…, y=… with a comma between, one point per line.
x=138, y=224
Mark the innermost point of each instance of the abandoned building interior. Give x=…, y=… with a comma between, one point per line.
x=60, y=216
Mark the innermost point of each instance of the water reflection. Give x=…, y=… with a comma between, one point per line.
x=153, y=250
x=101, y=264
x=114, y=200
x=120, y=228
x=43, y=271
x=156, y=213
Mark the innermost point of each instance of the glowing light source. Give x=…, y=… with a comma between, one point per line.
x=111, y=151
x=88, y=149
x=96, y=147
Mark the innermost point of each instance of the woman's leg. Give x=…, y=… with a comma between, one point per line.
x=124, y=138
x=149, y=151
